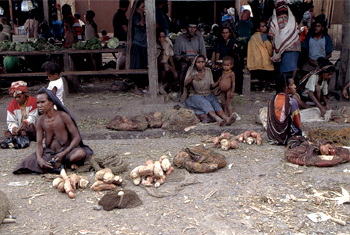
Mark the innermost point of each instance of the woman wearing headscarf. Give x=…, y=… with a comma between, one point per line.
x=284, y=32
x=22, y=112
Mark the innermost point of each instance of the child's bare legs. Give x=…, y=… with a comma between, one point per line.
x=224, y=101
x=229, y=120
x=216, y=117
x=229, y=104
x=163, y=71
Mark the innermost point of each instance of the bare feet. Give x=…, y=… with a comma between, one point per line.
x=220, y=121
x=231, y=119
x=74, y=167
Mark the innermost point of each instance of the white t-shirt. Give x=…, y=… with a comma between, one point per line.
x=60, y=88
x=312, y=82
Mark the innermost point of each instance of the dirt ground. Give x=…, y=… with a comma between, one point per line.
x=258, y=192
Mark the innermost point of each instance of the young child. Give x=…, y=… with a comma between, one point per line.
x=104, y=39
x=226, y=84
x=53, y=71
x=90, y=26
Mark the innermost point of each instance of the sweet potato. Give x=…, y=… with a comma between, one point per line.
x=135, y=172
x=250, y=140
x=233, y=144
x=258, y=139
x=160, y=181
x=147, y=182
x=67, y=186
x=165, y=163
x=108, y=177
x=100, y=186
x=254, y=134
x=60, y=186
x=99, y=175
x=246, y=134
x=171, y=169
x=225, y=135
x=225, y=144
x=74, y=179
x=57, y=181
x=158, y=172
x=148, y=169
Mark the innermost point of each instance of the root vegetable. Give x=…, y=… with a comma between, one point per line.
x=108, y=177
x=225, y=135
x=246, y=134
x=170, y=170
x=74, y=179
x=100, y=186
x=60, y=187
x=160, y=181
x=258, y=139
x=158, y=115
x=216, y=141
x=207, y=139
x=83, y=183
x=147, y=182
x=118, y=180
x=254, y=134
x=137, y=180
x=250, y=140
x=165, y=163
x=57, y=181
x=148, y=169
x=135, y=172
x=239, y=138
x=67, y=186
x=225, y=144
x=158, y=172
x=99, y=175
x=234, y=144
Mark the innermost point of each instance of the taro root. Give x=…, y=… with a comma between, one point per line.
x=67, y=186
x=137, y=180
x=158, y=115
x=60, y=187
x=250, y=140
x=207, y=139
x=135, y=172
x=254, y=134
x=233, y=144
x=83, y=183
x=246, y=134
x=239, y=138
x=148, y=169
x=158, y=172
x=216, y=142
x=170, y=170
x=225, y=135
x=225, y=144
x=108, y=177
x=147, y=182
x=160, y=181
x=118, y=180
x=74, y=179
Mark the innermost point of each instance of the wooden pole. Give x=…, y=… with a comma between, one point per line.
x=151, y=47
x=129, y=36
x=11, y=16
x=46, y=10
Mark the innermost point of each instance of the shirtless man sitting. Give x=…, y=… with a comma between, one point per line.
x=62, y=139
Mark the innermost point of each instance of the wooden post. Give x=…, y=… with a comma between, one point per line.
x=11, y=16
x=214, y=12
x=46, y=10
x=151, y=47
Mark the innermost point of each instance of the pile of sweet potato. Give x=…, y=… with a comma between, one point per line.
x=69, y=184
x=153, y=172
x=223, y=141
x=106, y=180
x=249, y=137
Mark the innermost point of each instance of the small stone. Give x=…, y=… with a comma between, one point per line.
x=13, y=216
x=246, y=211
x=97, y=207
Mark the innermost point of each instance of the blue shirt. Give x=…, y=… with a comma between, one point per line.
x=318, y=47
x=140, y=36
x=56, y=28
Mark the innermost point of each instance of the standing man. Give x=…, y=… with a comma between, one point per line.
x=161, y=9
x=187, y=46
x=120, y=22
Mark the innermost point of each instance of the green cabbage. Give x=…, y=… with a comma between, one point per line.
x=113, y=43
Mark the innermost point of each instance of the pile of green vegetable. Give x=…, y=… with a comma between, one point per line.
x=33, y=45
x=92, y=44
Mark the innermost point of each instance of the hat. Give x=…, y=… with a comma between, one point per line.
x=18, y=87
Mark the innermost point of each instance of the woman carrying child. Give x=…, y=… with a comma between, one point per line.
x=199, y=80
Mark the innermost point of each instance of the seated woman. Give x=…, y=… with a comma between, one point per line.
x=283, y=117
x=200, y=79
x=166, y=64
x=22, y=113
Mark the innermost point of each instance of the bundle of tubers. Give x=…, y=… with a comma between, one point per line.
x=69, y=183
x=153, y=172
x=106, y=180
x=223, y=141
x=249, y=137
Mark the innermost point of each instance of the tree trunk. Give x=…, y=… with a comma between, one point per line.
x=345, y=51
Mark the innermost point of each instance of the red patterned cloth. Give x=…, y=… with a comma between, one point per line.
x=18, y=88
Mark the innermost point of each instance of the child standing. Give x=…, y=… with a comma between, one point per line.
x=226, y=84
x=90, y=26
x=53, y=71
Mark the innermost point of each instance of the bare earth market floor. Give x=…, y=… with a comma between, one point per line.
x=258, y=192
